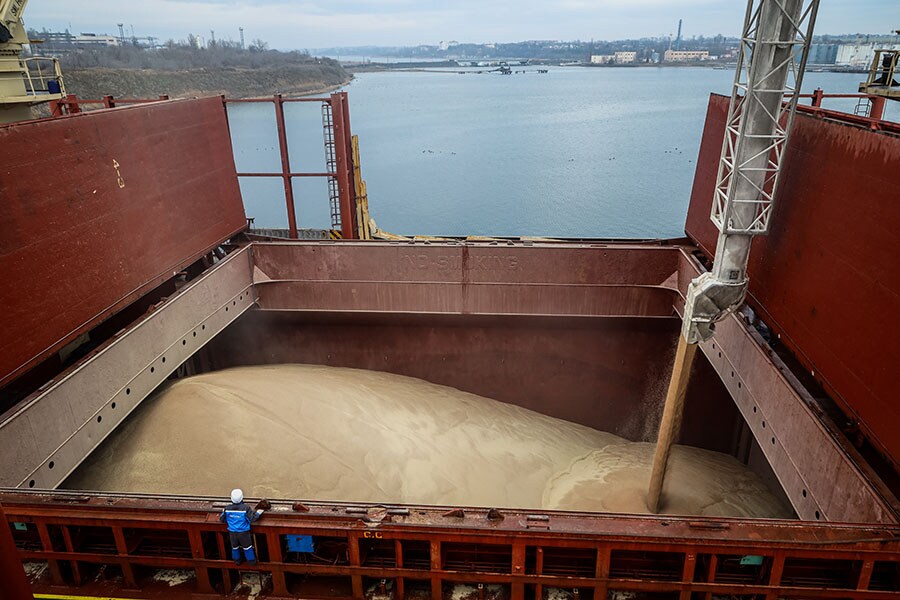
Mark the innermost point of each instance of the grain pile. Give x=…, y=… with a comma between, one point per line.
x=313, y=432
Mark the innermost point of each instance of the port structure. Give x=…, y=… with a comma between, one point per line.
x=23, y=82
x=882, y=80
x=370, y=305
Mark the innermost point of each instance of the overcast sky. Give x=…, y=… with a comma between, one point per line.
x=293, y=24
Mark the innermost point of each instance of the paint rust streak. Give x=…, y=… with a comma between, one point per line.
x=78, y=198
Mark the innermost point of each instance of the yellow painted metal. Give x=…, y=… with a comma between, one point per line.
x=883, y=74
x=23, y=83
x=386, y=235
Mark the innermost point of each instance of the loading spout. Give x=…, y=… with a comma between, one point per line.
x=774, y=47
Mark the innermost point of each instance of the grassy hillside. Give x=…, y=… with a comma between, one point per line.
x=182, y=69
x=235, y=82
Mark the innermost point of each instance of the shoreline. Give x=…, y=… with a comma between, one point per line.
x=298, y=81
x=325, y=89
x=375, y=67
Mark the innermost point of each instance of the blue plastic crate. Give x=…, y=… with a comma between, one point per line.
x=299, y=543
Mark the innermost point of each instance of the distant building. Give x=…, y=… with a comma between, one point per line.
x=860, y=55
x=603, y=59
x=83, y=40
x=822, y=54
x=622, y=58
x=685, y=55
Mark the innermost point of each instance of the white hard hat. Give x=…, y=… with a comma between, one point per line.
x=237, y=495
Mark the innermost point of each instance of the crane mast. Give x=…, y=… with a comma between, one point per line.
x=774, y=47
x=23, y=82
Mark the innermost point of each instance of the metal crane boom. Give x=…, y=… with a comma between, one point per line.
x=774, y=47
x=756, y=133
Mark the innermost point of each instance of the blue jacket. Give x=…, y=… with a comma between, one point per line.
x=238, y=517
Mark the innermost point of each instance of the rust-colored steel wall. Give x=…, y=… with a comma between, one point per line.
x=827, y=277
x=98, y=208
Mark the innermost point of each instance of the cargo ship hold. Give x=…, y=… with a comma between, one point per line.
x=128, y=261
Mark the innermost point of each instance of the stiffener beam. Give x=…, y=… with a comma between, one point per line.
x=48, y=435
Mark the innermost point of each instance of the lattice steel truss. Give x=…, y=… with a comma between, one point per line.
x=760, y=113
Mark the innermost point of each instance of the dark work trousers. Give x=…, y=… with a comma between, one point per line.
x=242, y=541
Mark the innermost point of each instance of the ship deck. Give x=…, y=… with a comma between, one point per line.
x=522, y=321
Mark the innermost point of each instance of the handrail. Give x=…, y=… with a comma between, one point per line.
x=468, y=545
x=34, y=90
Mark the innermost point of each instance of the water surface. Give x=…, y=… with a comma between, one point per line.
x=576, y=152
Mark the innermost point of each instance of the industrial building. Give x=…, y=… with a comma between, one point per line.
x=685, y=55
x=82, y=40
x=618, y=58
x=860, y=55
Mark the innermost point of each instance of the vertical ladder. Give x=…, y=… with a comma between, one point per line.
x=863, y=107
x=334, y=201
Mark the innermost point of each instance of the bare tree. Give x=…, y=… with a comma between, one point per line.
x=258, y=45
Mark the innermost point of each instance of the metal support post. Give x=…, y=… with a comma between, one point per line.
x=817, y=96
x=279, y=582
x=437, y=592
x=285, y=167
x=877, y=110
x=47, y=546
x=122, y=550
x=399, y=582
x=69, y=545
x=601, y=573
x=15, y=582
x=348, y=143
x=353, y=552
x=71, y=103
x=342, y=168
x=517, y=590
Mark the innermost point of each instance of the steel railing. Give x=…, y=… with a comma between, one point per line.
x=41, y=83
x=524, y=552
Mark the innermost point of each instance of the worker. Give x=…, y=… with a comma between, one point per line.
x=238, y=516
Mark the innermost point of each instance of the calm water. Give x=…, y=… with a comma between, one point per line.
x=572, y=153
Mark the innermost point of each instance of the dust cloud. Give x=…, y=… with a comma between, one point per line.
x=326, y=433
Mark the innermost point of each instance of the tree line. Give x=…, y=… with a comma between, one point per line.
x=174, y=55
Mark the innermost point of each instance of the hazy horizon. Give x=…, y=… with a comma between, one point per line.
x=313, y=24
